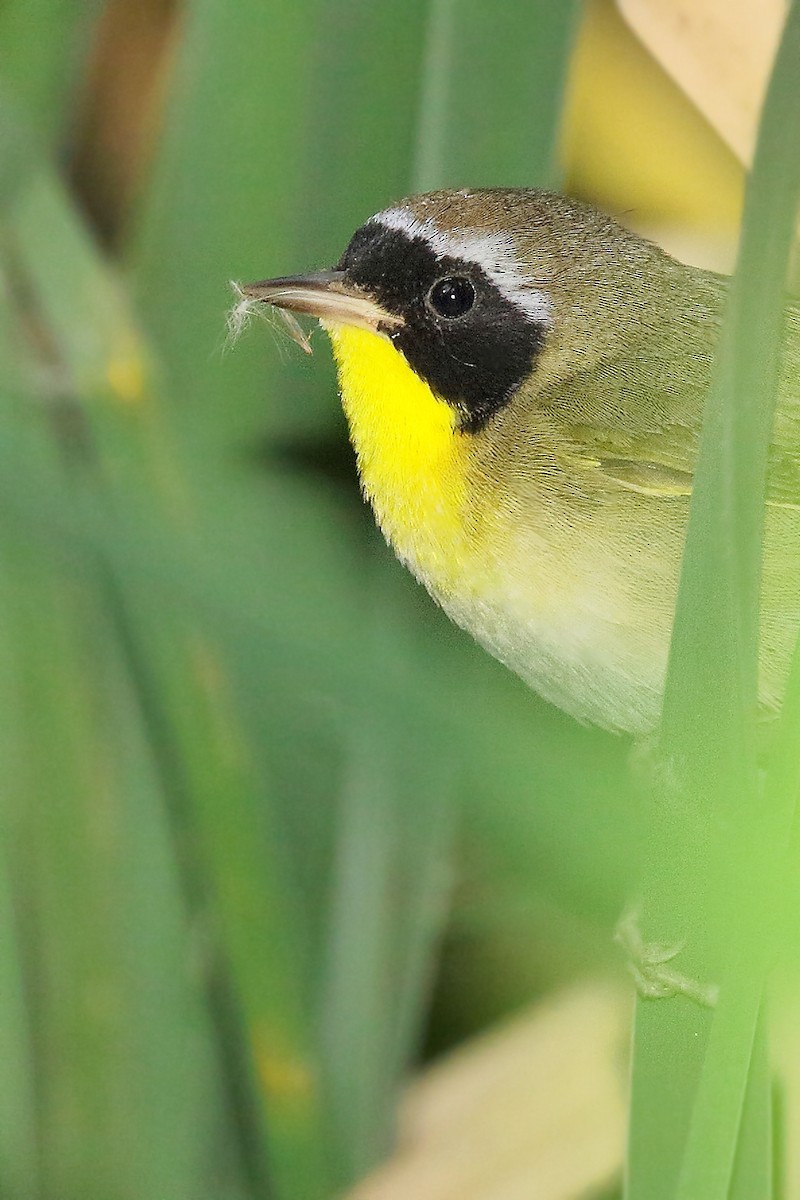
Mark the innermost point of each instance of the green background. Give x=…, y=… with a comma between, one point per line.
x=272, y=829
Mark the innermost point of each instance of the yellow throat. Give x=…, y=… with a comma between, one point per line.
x=411, y=457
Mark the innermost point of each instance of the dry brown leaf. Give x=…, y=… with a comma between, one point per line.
x=532, y=1111
x=718, y=51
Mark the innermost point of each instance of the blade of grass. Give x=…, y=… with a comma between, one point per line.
x=704, y=877
x=224, y=202
x=19, y=1131
x=389, y=891
x=247, y=879
x=751, y=1177
x=368, y=106
x=19, y=1158
x=764, y=926
x=44, y=45
x=476, y=131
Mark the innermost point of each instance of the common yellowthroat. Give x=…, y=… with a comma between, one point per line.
x=524, y=383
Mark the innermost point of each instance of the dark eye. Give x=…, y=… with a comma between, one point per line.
x=452, y=297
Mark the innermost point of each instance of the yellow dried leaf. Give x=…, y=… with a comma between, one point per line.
x=719, y=52
x=532, y=1111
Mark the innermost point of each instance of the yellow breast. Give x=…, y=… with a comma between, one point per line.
x=411, y=457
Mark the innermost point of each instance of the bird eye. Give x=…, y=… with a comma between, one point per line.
x=452, y=297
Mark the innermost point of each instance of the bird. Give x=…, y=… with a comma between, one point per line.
x=524, y=382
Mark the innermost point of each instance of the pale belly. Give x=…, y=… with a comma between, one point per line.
x=582, y=669
x=587, y=644
x=583, y=614
x=589, y=630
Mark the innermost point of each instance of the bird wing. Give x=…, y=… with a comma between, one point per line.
x=645, y=476
x=652, y=470
x=653, y=449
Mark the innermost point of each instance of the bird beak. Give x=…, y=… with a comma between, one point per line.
x=327, y=295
